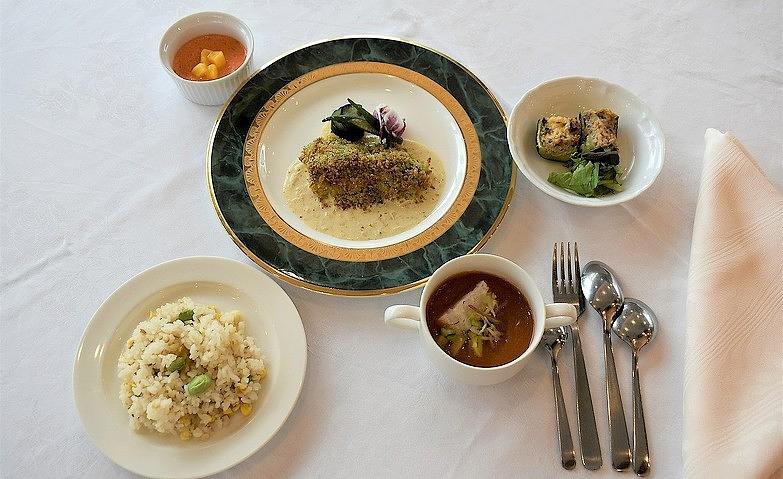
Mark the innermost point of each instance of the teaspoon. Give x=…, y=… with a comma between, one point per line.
x=636, y=325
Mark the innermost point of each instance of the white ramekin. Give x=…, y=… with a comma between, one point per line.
x=208, y=92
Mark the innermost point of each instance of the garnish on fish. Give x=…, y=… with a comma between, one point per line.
x=391, y=125
x=351, y=121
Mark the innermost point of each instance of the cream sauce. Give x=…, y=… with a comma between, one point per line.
x=378, y=221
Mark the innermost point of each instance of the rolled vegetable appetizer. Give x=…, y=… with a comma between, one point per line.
x=599, y=130
x=557, y=137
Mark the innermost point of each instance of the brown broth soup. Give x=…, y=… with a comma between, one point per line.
x=480, y=319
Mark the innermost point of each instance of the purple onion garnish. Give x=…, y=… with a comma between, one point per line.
x=391, y=125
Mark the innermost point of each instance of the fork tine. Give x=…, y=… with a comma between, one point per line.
x=562, y=269
x=577, y=271
x=554, y=270
x=570, y=284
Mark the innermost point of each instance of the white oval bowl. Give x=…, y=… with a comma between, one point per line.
x=640, y=137
x=207, y=92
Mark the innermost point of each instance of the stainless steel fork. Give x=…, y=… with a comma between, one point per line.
x=566, y=288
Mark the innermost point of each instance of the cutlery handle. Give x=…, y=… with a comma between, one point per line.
x=641, y=455
x=619, y=447
x=588, y=432
x=567, y=453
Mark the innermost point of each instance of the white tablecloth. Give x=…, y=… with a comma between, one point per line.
x=103, y=176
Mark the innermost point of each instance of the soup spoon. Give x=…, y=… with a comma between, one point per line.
x=603, y=292
x=636, y=325
x=553, y=340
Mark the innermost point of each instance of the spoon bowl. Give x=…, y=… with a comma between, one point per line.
x=636, y=325
x=554, y=338
x=602, y=291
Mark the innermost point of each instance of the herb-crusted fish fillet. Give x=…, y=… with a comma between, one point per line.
x=557, y=137
x=360, y=174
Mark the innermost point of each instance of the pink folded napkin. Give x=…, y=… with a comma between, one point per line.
x=733, y=392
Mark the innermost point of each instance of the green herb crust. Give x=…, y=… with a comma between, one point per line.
x=361, y=174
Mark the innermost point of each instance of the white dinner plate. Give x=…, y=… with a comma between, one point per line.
x=270, y=318
x=428, y=121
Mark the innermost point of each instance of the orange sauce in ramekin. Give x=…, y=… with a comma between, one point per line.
x=189, y=55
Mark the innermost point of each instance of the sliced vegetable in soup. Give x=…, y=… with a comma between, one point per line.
x=480, y=319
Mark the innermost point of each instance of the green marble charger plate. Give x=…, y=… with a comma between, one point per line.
x=260, y=124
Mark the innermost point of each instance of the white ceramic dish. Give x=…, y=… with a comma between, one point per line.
x=211, y=92
x=544, y=316
x=271, y=319
x=298, y=120
x=640, y=138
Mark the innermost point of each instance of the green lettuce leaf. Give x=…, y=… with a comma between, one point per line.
x=587, y=178
x=582, y=179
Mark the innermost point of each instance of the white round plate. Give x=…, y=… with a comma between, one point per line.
x=640, y=138
x=428, y=121
x=271, y=319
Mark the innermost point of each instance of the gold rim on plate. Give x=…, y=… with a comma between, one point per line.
x=266, y=210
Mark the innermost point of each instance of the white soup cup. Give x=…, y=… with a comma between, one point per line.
x=544, y=316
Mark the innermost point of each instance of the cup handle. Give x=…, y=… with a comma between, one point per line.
x=402, y=316
x=559, y=314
